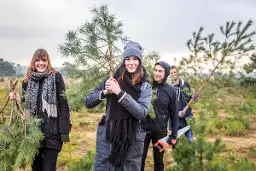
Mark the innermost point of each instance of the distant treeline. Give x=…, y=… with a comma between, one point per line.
x=11, y=69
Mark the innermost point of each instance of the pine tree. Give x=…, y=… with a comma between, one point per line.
x=20, y=137
x=94, y=45
x=94, y=48
x=202, y=154
x=199, y=154
x=252, y=65
x=212, y=55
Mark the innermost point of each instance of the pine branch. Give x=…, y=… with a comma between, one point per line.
x=228, y=49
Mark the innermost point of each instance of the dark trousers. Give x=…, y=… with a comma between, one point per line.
x=46, y=160
x=158, y=157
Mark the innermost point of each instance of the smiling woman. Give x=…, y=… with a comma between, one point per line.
x=40, y=63
x=119, y=141
x=43, y=95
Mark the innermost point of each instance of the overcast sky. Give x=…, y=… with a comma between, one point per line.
x=161, y=25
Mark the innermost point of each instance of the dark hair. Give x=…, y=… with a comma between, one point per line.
x=174, y=67
x=136, y=76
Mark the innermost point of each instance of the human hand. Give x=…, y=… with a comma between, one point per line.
x=171, y=141
x=195, y=97
x=174, y=141
x=181, y=114
x=106, y=91
x=113, y=86
x=26, y=114
x=14, y=96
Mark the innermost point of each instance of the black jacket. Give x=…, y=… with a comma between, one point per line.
x=183, y=88
x=61, y=124
x=165, y=108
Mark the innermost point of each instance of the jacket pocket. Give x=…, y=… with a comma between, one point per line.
x=138, y=145
x=140, y=136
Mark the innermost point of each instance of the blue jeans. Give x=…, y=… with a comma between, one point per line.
x=189, y=135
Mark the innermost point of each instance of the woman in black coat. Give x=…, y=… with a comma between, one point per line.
x=43, y=96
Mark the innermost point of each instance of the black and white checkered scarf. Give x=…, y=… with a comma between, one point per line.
x=49, y=99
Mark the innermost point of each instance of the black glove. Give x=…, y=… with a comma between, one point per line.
x=169, y=141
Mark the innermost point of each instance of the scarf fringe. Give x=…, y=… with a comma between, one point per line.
x=51, y=109
x=121, y=134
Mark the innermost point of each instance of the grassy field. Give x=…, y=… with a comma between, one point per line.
x=83, y=132
x=83, y=139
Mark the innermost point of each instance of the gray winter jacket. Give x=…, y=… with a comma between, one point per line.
x=139, y=110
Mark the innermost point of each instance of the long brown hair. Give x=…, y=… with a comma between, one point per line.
x=38, y=54
x=136, y=76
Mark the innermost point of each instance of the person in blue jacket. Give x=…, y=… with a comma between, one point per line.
x=183, y=89
x=165, y=107
x=120, y=139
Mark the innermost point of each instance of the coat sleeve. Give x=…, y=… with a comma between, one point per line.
x=174, y=117
x=139, y=108
x=95, y=97
x=63, y=108
x=188, y=97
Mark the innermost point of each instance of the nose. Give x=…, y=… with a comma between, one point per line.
x=40, y=62
x=156, y=73
x=131, y=62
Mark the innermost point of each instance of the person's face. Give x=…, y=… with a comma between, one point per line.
x=131, y=64
x=41, y=64
x=158, y=73
x=174, y=74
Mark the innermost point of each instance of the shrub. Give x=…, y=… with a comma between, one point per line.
x=242, y=163
x=76, y=97
x=234, y=128
x=85, y=163
x=247, y=81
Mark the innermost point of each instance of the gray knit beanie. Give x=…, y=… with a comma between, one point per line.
x=132, y=49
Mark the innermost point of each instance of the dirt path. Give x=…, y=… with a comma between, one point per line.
x=241, y=144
